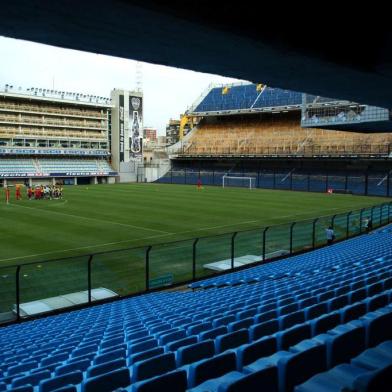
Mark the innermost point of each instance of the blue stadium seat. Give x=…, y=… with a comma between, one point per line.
x=373, y=359
x=22, y=367
x=195, y=352
x=293, y=335
x=107, y=382
x=213, y=333
x=267, y=378
x=257, y=331
x=231, y=340
x=57, y=382
x=211, y=368
x=378, y=380
x=341, y=347
x=291, y=319
x=288, y=309
x=377, y=301
x=70, y=367
x=352, y=312
x=32, y=379
x=338, y=302
x=295, y=369
x=177, y=380
x=198, y=328
x=324, y=323
x=152, y=367
x=315, y=311
x=144, y=355
x=106, y=367
x=23, y=388
x=121, y=353
x=174, y=346
x=265, y=316
x=248, y=353
x=142, y=346
x=237, y=325
x=378, y=328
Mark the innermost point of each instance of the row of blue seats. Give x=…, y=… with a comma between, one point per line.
x=254, y=308
x=281, y=371
x=246, y=97
x=369, y=371
x=116, y=358
x=351, y=250
x=134, y=323
x=303, y=296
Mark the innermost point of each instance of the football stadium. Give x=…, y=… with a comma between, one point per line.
x=252, y=251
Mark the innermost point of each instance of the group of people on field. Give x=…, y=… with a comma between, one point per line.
x=45, y=192
x=38, y=192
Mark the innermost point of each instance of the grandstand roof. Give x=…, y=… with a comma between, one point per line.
x=329, y=53
x=57, y=98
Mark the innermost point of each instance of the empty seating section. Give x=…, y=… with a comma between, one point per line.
x=73, y=165
x=17, y=166
x=247, y=96
x=277, y=134
x=319, y=319
x=44, y=167
x=72, y=110
x=30, y=123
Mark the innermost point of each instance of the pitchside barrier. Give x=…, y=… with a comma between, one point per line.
x=39, y=287
x=367, y=184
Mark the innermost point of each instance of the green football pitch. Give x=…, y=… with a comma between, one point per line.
x=105, y=218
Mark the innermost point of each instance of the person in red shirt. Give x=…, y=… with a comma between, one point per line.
x=18, y=196
x=29, y=193
x=199, y=184
x=37, y=193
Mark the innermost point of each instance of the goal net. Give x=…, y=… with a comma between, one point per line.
x=244, y=182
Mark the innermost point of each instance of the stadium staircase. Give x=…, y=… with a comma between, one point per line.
x=321, y=321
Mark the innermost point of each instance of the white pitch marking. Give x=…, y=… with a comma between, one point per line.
x=94, y=219
x=84, y=247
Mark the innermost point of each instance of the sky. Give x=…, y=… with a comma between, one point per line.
x=167, y=91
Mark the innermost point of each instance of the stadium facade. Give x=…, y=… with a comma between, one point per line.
x=284, y=140
x=49, y=136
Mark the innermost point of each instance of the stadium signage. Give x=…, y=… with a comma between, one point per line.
x=164, y=280
x=121, y=123
x=12, y=175
x=31, y=151
x=135, y=126
x=60, y=174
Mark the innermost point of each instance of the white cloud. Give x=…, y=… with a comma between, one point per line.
x=167, y=91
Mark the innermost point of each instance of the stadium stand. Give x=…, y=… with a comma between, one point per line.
x=52, y=167
x=276, y=325
x=278, y=134
x=65, y=137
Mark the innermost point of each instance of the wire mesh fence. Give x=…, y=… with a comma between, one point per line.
x=33, y=288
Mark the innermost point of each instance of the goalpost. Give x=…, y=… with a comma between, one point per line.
x=246, y=182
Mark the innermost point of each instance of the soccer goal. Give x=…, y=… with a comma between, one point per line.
x=245, y=182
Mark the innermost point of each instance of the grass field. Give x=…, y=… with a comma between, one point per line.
x=109, y=217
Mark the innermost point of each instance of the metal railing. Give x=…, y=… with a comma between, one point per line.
x=136, y=270
x=332, y=150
